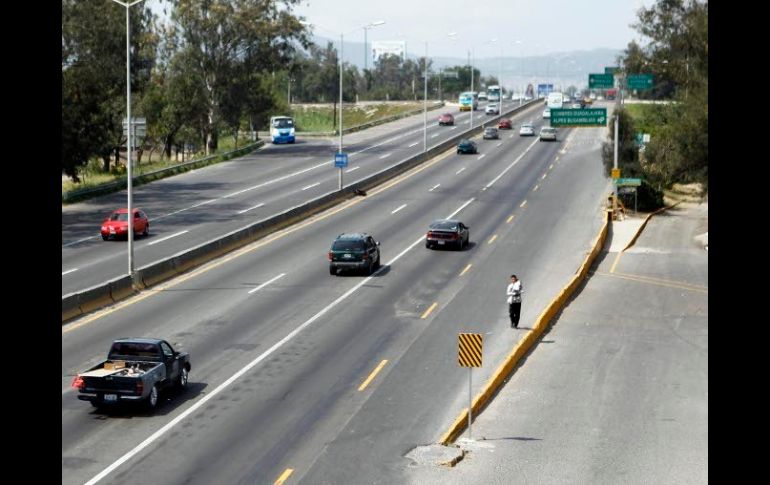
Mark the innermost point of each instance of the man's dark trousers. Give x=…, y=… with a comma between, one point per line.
x=514, y=309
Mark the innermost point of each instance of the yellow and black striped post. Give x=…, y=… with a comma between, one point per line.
x=469, y=356
x=470, y=349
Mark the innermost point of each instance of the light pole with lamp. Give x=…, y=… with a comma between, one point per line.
x=130, y=174
x=521, y=68
x=342, y=44
x=366, y=51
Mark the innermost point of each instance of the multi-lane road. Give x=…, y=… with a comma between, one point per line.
x=324, y=379
x=193, y=208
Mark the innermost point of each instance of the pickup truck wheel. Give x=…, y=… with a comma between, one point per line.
x=181, y=382
x=152, y=399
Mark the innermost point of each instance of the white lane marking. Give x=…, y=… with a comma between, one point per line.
x=434, y=136
x=255, y=207
x=386, y=155
x=536, y=187
x=458, y=172
x=481, y=156
x=350, y=170
x=398, y=209
x=499, y=143
x=434, y=187
x=167, y=237
x=453, y=128
x=144, y=444
x=79, y=241
x=543, y=177
x=267, y=283
x=204, y=203
x=311, y=186
x=511, y=165
x=324, y=164
x=69, y=271
x=414, y=144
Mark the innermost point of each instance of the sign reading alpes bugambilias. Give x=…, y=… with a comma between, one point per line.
x=579, y=117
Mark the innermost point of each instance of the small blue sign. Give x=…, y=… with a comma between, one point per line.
x=341, y=160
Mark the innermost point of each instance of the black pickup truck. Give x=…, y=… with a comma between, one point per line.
x=136, y=370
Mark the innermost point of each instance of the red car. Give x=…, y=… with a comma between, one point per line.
x=504, y=124
x=116, y=225
x=446, y=119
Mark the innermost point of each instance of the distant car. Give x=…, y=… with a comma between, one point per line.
x=482, y=96
x=446, y=119
x=547, y=113
x=600, y=98
x=492, y=109
x=490, y=133
x=548, y=133
x=467, y=146
x=447, y=232
x=566, y=99
x=592, y=96
x=116, y=224
x=577, y=105
x=356, y=251
x=504, y=124
x=527, y=129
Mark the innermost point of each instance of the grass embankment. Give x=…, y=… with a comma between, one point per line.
x=647, y=117
x=321, y=118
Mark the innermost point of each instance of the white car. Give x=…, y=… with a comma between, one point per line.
x=527, y=129
x=547, y=113
x=482, y=96
x=548, y=133
x=493, y=109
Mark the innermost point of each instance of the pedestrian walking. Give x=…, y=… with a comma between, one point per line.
x=514, y=300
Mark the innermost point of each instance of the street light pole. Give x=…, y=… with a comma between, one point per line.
x=342, y=43
x=425, y=105
x=128, y=139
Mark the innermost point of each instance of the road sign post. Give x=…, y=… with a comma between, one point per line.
x=579, y=117
x=469, y=356
x=340, y=161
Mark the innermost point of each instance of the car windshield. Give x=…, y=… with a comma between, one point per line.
x=444, y=226
x=490, y=130
x=283, y=123
x=119, y=216
x=549, y=130
x=343, y=245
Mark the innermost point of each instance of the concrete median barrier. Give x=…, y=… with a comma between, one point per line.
x=523, y=346
x=159, y=271
x=70, y=307
x=122, y=288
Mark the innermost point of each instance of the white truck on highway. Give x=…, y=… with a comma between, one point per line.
x=555, y=100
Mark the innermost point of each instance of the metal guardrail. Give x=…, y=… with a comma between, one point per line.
x=79, y=194
x=84, y=301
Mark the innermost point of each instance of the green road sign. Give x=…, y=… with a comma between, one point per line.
x=600, y=81
x=629, y=182
x=579, y=117
x=640, y=81
x=611, y=70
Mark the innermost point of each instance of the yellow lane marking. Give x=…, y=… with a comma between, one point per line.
x=523, y=204
x=657, y=281
x=248, y=248
x=427, y=312
x=284, y=476
x=493, y=239
x=371, y=376
x=509, y=220
x=615, y=263
x=466, y=269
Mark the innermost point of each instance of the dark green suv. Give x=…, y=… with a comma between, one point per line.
x=354, y=251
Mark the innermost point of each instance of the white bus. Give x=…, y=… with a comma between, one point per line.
x=282, y=129
x=493, y=94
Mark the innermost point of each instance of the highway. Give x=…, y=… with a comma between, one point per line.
x=192, y=208
x=280, y=348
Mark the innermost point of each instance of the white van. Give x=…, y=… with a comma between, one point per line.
x=282, y=129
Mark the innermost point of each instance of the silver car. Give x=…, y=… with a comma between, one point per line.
x=548, y=133
x=547, y=113
x=490, y=133
x=493, y=109
x=527, y=129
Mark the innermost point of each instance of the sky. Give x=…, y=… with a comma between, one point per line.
x=542, y=27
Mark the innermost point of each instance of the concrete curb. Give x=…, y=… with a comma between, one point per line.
x=646, y=220
x=159, y=271
x=522, y=347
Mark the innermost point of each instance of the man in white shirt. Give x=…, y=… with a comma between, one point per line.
x=514, y=300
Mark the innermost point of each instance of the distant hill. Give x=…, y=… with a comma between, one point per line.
x=560, y=68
